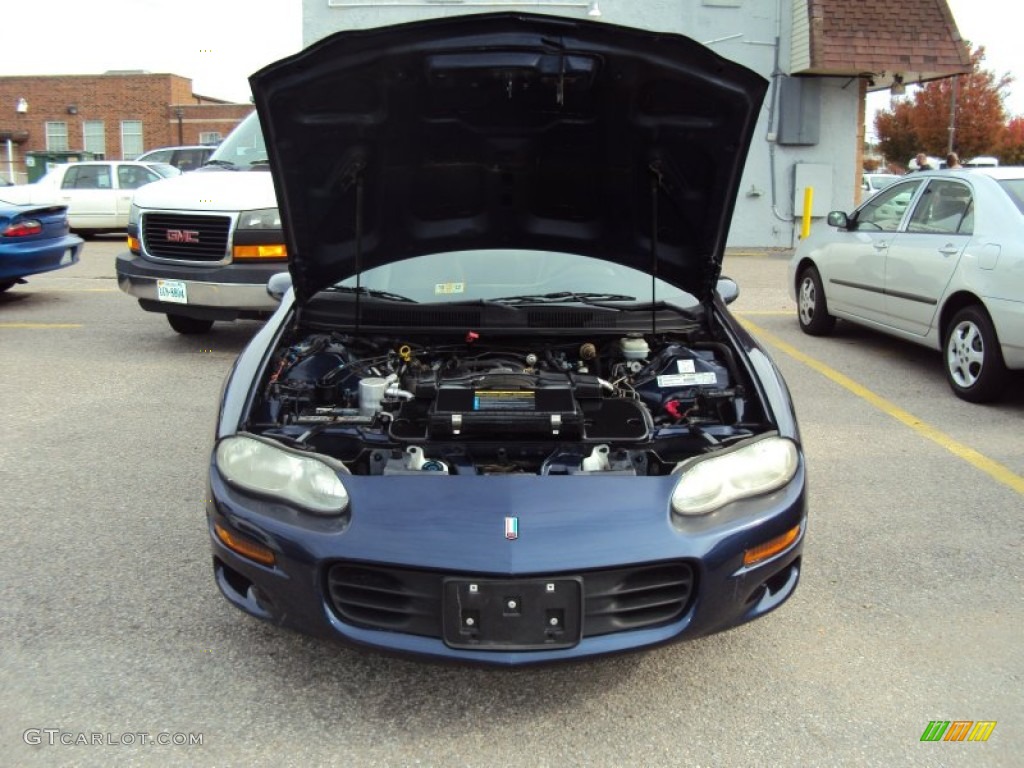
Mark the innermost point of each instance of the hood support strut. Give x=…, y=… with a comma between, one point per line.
x=656, y=182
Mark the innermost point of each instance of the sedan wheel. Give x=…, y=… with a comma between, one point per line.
x=974, y=362
x=812, y=309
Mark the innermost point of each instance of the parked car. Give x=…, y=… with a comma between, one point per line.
x=186, y=158
x=98, y=194
x=202, y=246
x=478, y=428
x=34, y=239
x=871, y=183
x=936, y=258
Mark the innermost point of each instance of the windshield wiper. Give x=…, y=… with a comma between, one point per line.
x=372, y=292
x=260, y=162
x=564, y=297
x=221, y=164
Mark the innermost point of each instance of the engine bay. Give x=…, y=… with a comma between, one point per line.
x=453, y=404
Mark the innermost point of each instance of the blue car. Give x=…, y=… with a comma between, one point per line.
x=33, y=239
x=503, y=415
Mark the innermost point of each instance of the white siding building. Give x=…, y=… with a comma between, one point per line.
x=810, y=131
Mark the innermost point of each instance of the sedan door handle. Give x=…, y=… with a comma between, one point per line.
x=949, y=250
x=880, y=245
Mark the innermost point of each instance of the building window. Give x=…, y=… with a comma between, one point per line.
x=131, y=139
x=94, y=138
x=209, y=137
x=57, y=137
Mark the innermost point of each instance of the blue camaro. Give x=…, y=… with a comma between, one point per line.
x=33, y=239
x=503, y=415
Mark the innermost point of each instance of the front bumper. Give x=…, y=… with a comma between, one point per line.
x=215, y=292
x=569, y=528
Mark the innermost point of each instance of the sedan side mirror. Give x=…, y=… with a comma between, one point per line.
x=839, y=219
x=278, y=285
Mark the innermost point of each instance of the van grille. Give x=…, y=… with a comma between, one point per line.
x=185, y=237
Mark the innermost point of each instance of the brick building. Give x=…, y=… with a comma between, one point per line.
x=117, y=115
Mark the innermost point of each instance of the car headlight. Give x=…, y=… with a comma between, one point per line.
x=133, y=215
x=758, y=467
x=264, y=218
x=265, y=467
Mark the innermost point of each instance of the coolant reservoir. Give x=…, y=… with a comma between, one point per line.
x=634, y=349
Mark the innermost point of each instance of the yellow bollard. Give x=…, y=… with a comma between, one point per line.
x=805, y=230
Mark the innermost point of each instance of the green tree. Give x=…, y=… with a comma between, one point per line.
x=922, y=122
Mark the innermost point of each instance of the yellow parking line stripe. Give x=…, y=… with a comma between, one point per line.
x=80, y=290
x=992, y=468
x=40, y=325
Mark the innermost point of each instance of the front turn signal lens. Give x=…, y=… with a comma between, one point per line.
x=771, y=547
x=259, y=252
x=244, y=546
x=134, y=245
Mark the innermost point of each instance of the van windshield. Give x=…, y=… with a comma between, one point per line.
x=244, y=147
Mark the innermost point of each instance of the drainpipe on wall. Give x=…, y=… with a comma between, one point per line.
x=180, y=113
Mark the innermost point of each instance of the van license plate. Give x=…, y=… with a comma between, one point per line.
x=172, y=291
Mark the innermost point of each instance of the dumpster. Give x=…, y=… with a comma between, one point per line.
x=38, y=162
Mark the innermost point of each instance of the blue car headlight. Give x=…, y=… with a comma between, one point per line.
x=309, y=481
x=709, y=482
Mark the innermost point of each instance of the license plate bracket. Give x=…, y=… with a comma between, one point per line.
x=513, y=614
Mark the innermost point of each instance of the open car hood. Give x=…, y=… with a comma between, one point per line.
x=507, y=131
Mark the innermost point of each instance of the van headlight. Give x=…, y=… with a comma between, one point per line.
x=263, y=218
x=133, y=215
x=709, y=482
x=264, y=467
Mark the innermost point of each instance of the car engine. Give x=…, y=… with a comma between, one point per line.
x=633, y=404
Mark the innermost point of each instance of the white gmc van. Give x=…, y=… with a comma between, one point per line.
x=201, y=246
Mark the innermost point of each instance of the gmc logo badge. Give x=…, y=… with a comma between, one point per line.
x=182, y=236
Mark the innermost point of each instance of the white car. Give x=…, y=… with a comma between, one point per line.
x=936, y=258
x=872, y=183
x=98, y=194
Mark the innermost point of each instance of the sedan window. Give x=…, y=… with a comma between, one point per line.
x=884, y=211
x=1015, y=189
x=944, y=208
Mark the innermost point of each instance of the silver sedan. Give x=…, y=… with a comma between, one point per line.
x=936, y=258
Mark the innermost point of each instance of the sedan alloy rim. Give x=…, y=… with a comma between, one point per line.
x=965, y=354
x=808, y=298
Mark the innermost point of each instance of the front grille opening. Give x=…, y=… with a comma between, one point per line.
x=391, y=599
x=408, y=600
x=186, y=237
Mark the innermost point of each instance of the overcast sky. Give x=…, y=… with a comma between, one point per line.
x=219, y=44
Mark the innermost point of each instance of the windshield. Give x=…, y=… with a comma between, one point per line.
x=515, y=276
x=244, y=147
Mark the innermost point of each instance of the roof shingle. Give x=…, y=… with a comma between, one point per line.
x=917, y=38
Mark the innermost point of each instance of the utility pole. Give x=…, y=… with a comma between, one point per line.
x=952, y=114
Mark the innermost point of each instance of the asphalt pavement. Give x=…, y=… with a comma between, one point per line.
x=910, y=607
